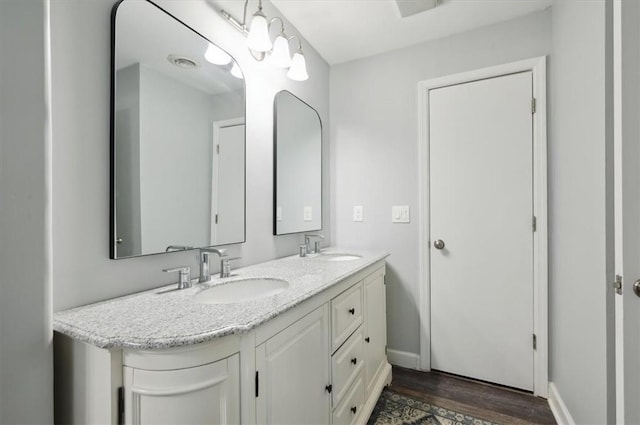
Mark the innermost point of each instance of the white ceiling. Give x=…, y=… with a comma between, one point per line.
x=344, y=30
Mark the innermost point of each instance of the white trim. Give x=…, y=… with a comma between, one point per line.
x=558, y=408
x=538, y=66
x=403, y=359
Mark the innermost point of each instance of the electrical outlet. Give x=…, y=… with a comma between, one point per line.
x=400, y=214
x=308, y=214
x=358, y=214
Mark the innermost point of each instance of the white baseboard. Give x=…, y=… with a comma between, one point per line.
x=558, y=408
x=403, y=359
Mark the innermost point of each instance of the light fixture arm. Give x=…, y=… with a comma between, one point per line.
x=299, y=41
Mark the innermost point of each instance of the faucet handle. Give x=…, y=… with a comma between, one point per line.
x=184, y=275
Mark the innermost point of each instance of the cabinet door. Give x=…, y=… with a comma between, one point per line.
x=208, y=394
x=375, y=326
x=293, y=372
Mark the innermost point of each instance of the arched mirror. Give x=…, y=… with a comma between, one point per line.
x=177, y=136
x=298, y=166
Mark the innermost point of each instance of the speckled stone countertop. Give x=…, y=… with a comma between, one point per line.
x=154, y=320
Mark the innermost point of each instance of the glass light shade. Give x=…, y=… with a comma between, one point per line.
x=298, y=70
x=216, y=55
x=235, y=71
x=258, y=38
x=280, y=55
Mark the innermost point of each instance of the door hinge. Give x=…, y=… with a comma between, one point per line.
x=534, y=223
x=121, y=406
x=533, y=105
x=617, y=284
x=218, y=149
x=257, y=383
x=216, y=218
x=328, y=388
x=385, y=350
x=535, y=342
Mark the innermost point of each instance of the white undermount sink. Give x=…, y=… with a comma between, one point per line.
x=337, y=256
x=241, y=290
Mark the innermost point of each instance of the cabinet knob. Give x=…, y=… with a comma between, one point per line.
x=354, y=409
x=354, y=360
x=329, y=388
x=367, y=340
x=352, y=310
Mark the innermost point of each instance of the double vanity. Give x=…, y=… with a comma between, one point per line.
x=294, y=340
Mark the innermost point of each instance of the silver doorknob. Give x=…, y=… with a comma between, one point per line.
x=439, y=244
x=636, y=287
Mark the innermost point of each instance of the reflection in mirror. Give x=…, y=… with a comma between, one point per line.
x=178, y=138
x=298, y=166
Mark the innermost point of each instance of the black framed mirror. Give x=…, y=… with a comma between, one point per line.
x=298, y=166
x=177, y=136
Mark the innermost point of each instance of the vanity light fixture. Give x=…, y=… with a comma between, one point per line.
x=260, y=45
x=235, y=71
x=298, y=69
x=216, y=55
x=258, y=38
x=280, y=56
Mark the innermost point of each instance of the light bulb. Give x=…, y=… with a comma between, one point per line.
x=235, y=71
x=298, y=70
x=280, y=55
x=216, y=55
x=258, y=39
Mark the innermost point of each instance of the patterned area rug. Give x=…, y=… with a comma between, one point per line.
x=396, y=409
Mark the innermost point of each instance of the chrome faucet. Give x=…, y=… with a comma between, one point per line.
x=184, y=273
x=171, y=248
x=307, y=243
x=205, y=263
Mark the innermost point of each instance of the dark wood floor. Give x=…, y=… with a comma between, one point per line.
x=481, y=400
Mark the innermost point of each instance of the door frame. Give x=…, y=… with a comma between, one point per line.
x=538, y=67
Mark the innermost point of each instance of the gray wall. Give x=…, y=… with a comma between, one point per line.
x=82, y=271
x=580, y=210
x=26, y=381
x=374, y=146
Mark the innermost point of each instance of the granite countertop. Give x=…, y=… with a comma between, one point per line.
x=159, y=318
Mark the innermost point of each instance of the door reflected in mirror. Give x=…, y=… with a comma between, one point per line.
x=298, y=166
x=178, y=137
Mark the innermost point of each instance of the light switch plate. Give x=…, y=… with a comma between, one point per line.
x=308, y=214
x=400, y=214
x=278, y=213
x=358, y=214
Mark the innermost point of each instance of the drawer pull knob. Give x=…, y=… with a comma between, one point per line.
x=354, y=409
x=329, y=388
x=354, y=360
x=367, y=340
x=352, y=310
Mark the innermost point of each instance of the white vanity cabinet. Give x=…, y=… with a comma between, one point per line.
x=292, y=373
x=322, y=361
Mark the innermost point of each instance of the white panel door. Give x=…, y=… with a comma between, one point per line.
x=208, y=394
x=229, y=186
x=293, y=373
x=375, y=327
x=481, y=208
x=627, y=205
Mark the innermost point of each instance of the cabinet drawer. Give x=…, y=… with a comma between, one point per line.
x=348, y=412
x=346, y=364
x=346, y=315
